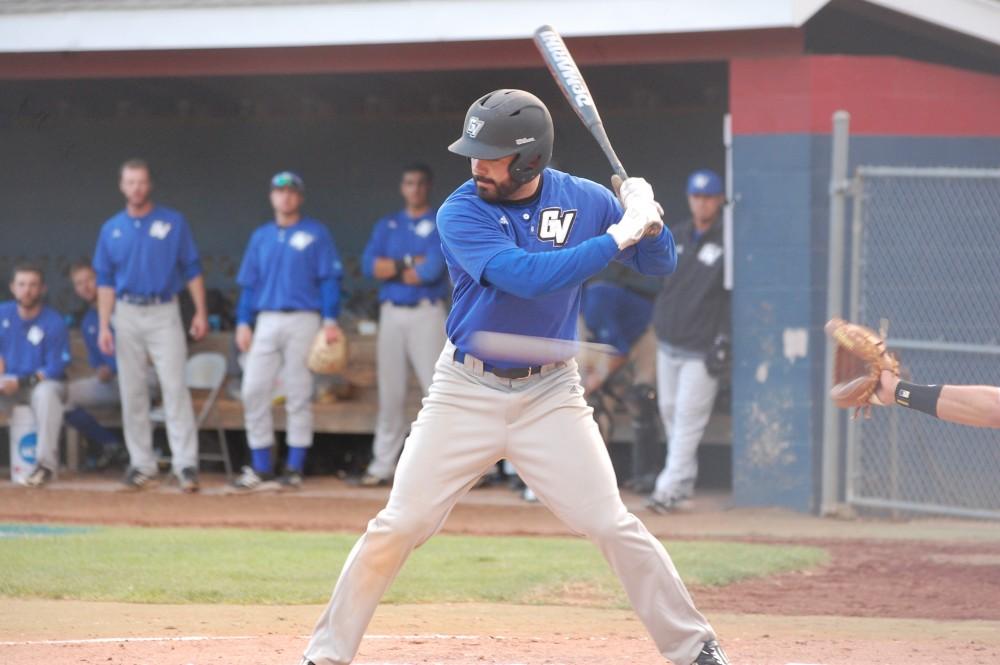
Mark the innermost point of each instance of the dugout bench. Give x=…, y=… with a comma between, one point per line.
x=353, y=415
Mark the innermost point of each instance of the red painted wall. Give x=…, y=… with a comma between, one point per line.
x=884, y=95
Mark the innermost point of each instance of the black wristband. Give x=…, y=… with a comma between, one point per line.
x=919, y=397
x=400, y=267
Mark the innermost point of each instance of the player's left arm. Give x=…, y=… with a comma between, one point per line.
x=330, y=271
x=56, y=356
x=190, y=265
x=432, y=267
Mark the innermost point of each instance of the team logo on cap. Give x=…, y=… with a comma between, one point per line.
x=700, y=181
x=475, y=125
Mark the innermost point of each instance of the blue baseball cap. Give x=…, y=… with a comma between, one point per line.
x=704, y=182
x=287, y=179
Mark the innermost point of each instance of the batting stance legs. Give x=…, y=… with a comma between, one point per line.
x=469, y=421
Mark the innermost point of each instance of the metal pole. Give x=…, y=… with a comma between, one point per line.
x=834, y=306
x=727, y=211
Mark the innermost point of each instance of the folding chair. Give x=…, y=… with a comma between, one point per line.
x=205, y=371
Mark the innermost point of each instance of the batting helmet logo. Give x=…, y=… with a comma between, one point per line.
x=475, y=124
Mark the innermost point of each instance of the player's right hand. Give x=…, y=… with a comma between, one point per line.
x=640, y=219
x=106, y=341
x=244, y=337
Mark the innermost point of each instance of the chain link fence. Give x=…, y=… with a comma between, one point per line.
x=926, y=256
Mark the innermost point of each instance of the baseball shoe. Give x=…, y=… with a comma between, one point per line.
x=188, y=480
x=306, y=661
x=39, y=477
x=711, y=654
x=291, y=480
x=136, y=480
x=529, y=495
x=369, y=480
x=664, y=506
x=251, y=481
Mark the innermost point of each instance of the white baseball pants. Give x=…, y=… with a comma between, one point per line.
x=281, y=343
x=469, y=421
x=46, y=402
x=406, y=336
x=155, y=331
x=686, y=393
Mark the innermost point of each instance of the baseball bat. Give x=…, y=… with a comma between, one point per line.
x=567, y=75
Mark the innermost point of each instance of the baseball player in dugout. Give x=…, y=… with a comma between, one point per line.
x=101, y=388
x=519, y=239
x=404, y=254
x=691, y=318
x=34, y=354
x=145, y=255
x=290, y=281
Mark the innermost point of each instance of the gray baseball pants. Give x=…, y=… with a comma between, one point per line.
x=470, y=420
x=280, y=347
x=46, y=402
x=156, y=332
x=406, y=336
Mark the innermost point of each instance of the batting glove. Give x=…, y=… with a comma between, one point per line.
x=642, y=218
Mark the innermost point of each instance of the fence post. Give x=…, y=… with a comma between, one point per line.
x=834, y=306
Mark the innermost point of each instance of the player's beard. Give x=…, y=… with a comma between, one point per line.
x=28, y=302
x=500, y=191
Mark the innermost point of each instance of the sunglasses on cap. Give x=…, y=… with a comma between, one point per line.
x=287, y=179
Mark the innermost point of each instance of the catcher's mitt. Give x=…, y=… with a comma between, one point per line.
x=859, y=360
x=328, y=358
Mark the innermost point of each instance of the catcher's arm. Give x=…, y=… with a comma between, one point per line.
x=978, y=406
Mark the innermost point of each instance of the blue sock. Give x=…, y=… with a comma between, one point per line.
x=262, y=460
x=90, y=428
x=296, y=458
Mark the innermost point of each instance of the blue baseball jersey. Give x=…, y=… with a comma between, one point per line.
x=285, y=267
x=154, y=255
x=615, y=315
x=396, y=236
x=566, y=212
x=90, y=327
x=28, y=346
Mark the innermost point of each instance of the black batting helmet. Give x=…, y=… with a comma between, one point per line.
x=508, y=122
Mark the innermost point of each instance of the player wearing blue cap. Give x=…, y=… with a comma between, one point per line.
x=519, y=240
x=145, y=255
x=691, y=318
x=34, y=354
x=404, y=253
x=290, y=281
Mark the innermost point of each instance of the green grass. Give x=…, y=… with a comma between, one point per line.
x=266, y=567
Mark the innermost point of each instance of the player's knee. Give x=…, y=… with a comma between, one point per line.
x=45, y=390
x=603, y=525
x=403, y=526
x=255, y=392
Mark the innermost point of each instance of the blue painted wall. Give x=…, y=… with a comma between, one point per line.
x=780, y=269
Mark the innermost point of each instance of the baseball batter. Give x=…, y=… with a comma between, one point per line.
x=519, y=239
x=290, y=280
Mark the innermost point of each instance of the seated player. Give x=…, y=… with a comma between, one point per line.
x=99, y=389
x=34, y=354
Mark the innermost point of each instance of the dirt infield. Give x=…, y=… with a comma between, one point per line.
x=892, y=593
x=463, y=635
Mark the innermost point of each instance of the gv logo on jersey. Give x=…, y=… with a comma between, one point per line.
x=300, y=240
x=159, y=229
x=554, y=225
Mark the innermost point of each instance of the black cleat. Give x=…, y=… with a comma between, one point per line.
x=188, y=480
x=711, y=654
x=135, y=480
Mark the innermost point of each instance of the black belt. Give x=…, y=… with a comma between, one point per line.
x=134, y=299
x=503, y=372
x=411, y=305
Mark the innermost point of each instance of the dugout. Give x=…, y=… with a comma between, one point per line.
x=220, y=95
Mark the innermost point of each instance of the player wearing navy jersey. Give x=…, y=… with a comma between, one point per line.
x=34, y=354
x=290, y=281
x=145, y=255
x=519, y=240
x=404, y=254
